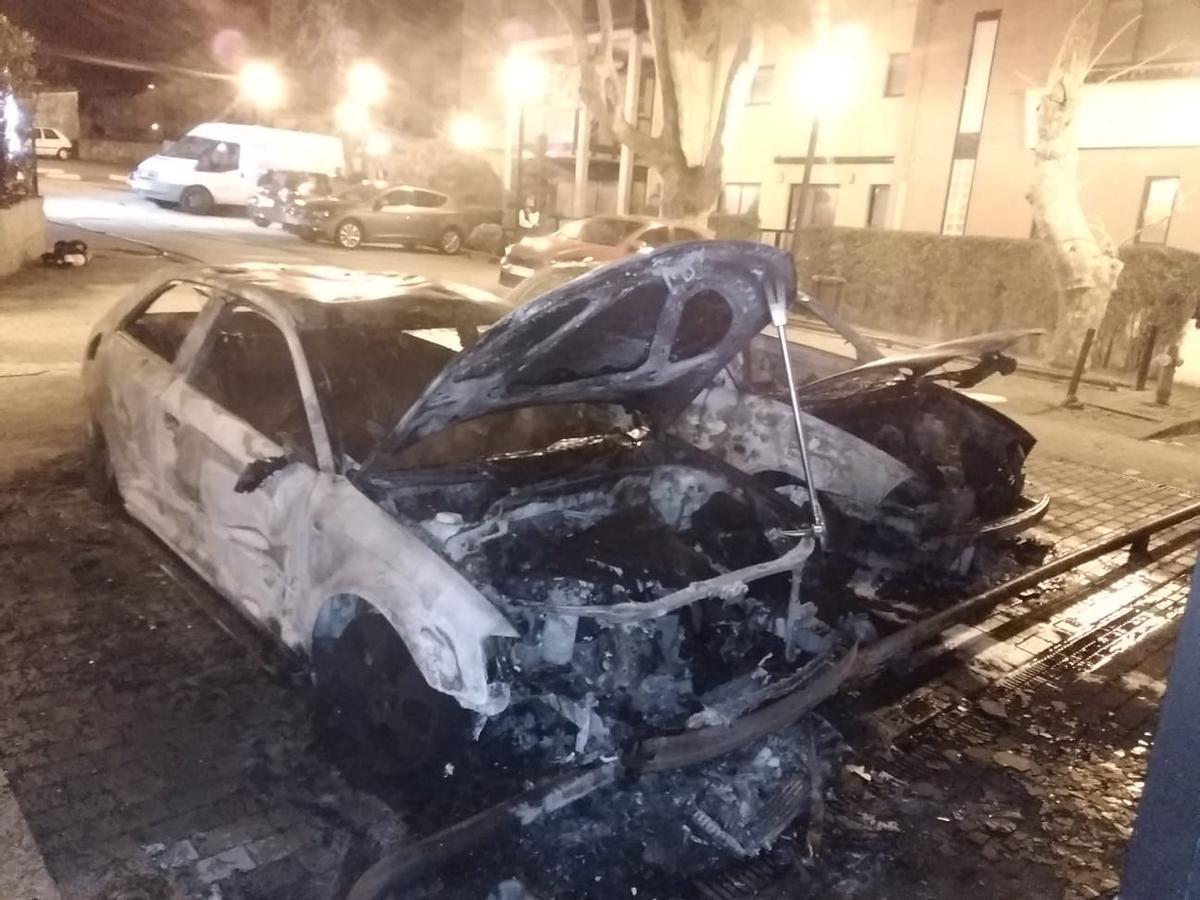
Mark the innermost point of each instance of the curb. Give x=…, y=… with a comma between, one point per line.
x=123, y=179
x=60, y=174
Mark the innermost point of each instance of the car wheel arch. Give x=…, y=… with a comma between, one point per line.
x=336, y=613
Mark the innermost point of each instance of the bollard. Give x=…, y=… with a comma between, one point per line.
x=1072, y=400
x=1147, y=354
x=1166, y=376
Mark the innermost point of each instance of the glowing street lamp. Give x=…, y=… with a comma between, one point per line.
x=524, y=80
x=261, y=85
x=824, y=83
x=352, y=117
x=366, y=83
x=466, y=132
x=827, y=75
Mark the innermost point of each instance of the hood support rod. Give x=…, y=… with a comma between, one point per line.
x=777, y=302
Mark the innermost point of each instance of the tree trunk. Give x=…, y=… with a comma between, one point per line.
x=689, y=192
x=1086, y=260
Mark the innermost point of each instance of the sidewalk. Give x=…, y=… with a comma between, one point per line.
x=47, y=314
x=1109, y=429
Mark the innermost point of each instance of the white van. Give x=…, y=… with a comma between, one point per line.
x=217, y=163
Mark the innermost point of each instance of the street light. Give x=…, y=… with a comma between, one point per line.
x=261, y=85
x=825, y=82
x=524, y=79
x=466, y=132
x=352, y=117
x=366, y=83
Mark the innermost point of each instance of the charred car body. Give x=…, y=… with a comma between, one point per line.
x=588, y=516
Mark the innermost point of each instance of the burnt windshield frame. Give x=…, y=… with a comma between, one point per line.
x=370, y=322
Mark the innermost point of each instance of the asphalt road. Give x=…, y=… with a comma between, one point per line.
x=92, y=196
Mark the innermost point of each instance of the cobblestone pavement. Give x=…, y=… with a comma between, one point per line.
x=155, y=746
x=147, y=747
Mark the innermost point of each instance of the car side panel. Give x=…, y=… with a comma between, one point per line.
x=127, y=382
x=349, y=546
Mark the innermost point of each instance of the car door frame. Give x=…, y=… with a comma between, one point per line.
x=427, y=223
x=392, y=222
x=260, y=574
x=133, y=425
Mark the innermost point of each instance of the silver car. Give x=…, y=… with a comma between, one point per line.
x=400, y=214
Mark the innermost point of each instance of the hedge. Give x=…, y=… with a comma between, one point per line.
x=937, y=287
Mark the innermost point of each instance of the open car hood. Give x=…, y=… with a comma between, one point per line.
x=648, y=332
x=983, y=353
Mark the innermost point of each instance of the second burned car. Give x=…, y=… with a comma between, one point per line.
x=583, y=518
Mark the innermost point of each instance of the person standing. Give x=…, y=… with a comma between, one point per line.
x=529, y=217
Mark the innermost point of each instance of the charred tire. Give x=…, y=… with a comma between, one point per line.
x=450, y=242
x=349, y=234
x=98, y=475
x=63, y=153
x=373, y=704
x=261, y=221
x=196, y=200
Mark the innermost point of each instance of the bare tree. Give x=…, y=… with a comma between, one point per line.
x=706, y=53
x=17, y=69
x=1085, y=256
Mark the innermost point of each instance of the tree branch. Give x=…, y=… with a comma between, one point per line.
x=741, y=54
x=599, y=83
x=1112, y=40
x=661, y=41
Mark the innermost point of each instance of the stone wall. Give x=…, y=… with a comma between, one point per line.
x=22, y=234
x=934, y=287
x=122, y=152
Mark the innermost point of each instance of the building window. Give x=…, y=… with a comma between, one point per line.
x=763, y=87
x=979, y=73
x=958, y=197
x=970, y=122
x=820, y=206
x=738, y=199
x=877, y=206
x=1158, y=205
x=897, y=75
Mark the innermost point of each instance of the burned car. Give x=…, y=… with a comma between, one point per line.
x=586, y=519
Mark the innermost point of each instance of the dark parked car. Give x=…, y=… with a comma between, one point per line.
x=367, y=214
x=600, y=238
x=278, y=187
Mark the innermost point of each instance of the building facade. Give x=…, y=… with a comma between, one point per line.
x=928, y=123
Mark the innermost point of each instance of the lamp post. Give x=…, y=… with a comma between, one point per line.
x=262, y=86
x=524, y=80
x=825, y=82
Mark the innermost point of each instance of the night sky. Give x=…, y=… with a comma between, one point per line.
x=210, y=35
x=143, y=31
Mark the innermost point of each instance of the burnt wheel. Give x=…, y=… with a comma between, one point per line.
x=373, y=703
x=98, y=475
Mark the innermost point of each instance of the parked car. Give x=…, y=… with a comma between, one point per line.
x=599, y=238
x=52, y=142
x=219, y=164
x=581, y=521
x=277, y=188
x=396, y=214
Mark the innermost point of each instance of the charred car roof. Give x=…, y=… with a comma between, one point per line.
x=306, y=294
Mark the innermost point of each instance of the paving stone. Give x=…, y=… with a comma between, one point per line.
x=224, y=864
